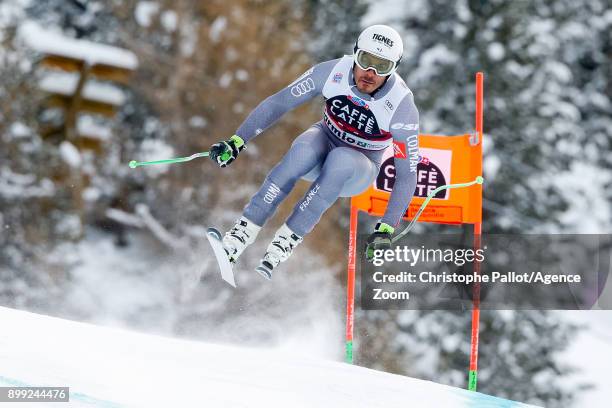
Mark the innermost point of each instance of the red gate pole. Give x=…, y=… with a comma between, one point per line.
x=350, y=284
x=473, y=373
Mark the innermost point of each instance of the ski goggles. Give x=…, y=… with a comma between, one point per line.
x=382, y=67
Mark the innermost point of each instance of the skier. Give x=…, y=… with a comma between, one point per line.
x=368, y=107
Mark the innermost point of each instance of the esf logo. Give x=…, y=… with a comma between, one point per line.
x=358, y=101
x=303, y=87
x=383, y=39
x=337, y=77
x=405, y=126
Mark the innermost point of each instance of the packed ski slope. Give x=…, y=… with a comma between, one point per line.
x=107, y=367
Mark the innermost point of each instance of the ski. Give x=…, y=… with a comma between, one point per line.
x=227, y=273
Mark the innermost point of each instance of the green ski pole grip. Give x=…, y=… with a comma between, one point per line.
x=226, y=156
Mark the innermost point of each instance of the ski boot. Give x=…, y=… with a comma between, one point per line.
x=239, y=237
x=278, y=251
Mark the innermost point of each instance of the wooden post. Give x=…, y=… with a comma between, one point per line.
x=71, y=135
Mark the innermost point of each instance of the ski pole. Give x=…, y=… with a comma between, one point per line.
x=133, y=164
x=478, y=180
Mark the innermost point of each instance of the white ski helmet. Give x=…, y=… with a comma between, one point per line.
x=382, y=42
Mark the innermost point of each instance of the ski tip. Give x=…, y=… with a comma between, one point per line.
x=230, y=281
x=214, y=237
x=214, y=233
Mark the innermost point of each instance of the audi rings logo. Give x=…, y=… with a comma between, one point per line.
x=303, y=87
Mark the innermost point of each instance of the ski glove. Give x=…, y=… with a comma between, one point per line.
x=226, y=152
x=380, y=239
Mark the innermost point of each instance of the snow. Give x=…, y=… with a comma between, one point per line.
x=590, y=352
x=589, y=211
x=70, y=154
x=51, y=42
x=19, y=186
x=198, y=122
x=559, y=71
x=189, y=37
x=69, y=226
x=87, y=126
x=18, y=130
x=242, y=75
x=217, y=28
x=496, y=51
x=599, y=100
x=144, y=12
x=91, y=194
x=386, y=12
x=433, y=59
x=11, y=11
x=65, y=83
x=157, y=228
x=137, y=370
x=124, y=217
x=225, y=80
x=154, y=149
x=521, y=71
x=463, y=11
x=169, y=20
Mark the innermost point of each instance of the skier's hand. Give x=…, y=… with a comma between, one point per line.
x=380, y=239
x=223, y=153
